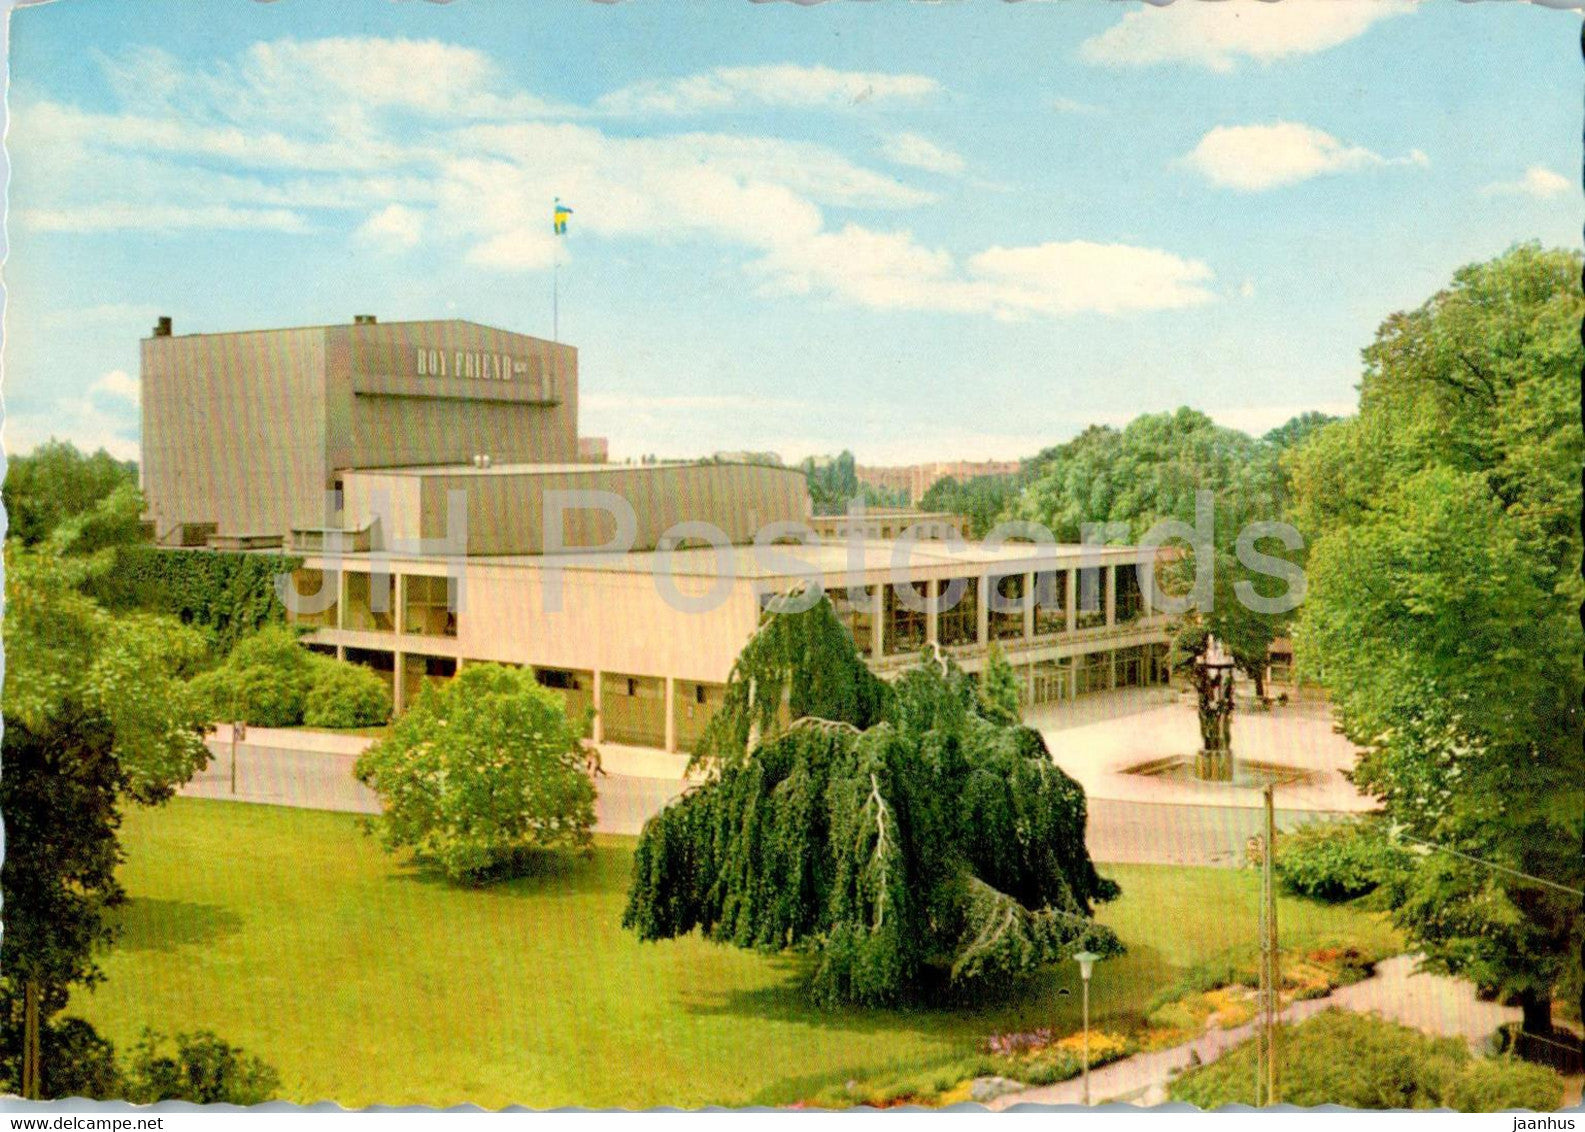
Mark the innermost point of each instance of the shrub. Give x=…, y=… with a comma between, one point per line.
x=1335, y=860
x=265, y=681
x=202, y=1069
x=346, y=695
x=482, y=772
x=1363, y=1061
x=74, y=1061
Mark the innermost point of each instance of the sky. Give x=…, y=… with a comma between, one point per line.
x=919, y=231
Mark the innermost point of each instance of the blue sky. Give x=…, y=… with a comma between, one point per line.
x=919, y=231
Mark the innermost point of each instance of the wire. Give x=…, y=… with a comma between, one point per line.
x=1490, y=865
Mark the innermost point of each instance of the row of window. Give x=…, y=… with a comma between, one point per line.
x=428, y=603
x=904, y=624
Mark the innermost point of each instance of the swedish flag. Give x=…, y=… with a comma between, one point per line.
x=560, y=217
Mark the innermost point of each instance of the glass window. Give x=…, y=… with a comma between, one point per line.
x=309, y=586
x=905, y=626
x=1007, y=612
x=855, y=609
x=1130, y=599
x=369, y=604
x=1051, y=595
x=959, y=625
x=431, y=605
x=1092, y=597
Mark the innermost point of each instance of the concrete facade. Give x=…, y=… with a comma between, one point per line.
x=250, y=431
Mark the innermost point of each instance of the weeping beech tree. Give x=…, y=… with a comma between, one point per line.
x=925, y=847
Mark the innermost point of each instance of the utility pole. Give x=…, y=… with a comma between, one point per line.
x=1274, y=974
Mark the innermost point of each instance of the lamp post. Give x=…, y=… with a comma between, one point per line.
x=1086, y=961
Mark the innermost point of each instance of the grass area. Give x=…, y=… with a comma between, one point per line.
x=290, y=933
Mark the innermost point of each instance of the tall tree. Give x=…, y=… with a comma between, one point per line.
x=982, y=499
x=482, y=772
x=97, y=714
x=1443, y=614
x=1155, y=469
x=55, y=482
x=934, y=848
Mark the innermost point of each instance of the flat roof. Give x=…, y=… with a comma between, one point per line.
x=828, y=558
x=603, y=468
x=359, y=326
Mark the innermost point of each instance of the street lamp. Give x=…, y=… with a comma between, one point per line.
x=1086, y=961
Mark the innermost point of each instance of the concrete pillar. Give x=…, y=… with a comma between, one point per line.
x=671, y=714
x=982, y=630
x=398, y=601
x=878, y=622
x=1145, y=605
x=1070, y=599
x=932, y=613
x=341, y=604
x=341, y=652
x=596, y=695
x=398, y=682
x=1111, y=595
x=1029, y=611
x=1111, y=663
x=1073, y=676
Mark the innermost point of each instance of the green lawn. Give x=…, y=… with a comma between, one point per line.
x=363, y=981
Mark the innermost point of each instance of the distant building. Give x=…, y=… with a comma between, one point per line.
x=891, y=523
x=913, y=480
x=593, y=450
x=769, y=459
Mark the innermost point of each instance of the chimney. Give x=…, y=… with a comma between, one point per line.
x=162, y=326
x=363, y=320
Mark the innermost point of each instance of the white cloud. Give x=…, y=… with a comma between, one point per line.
x=1538, y=181
x=786, y=84
x=1254, y=158
x=394, y=228
x=890, y=270
x=1077, y=275
x=118, y=385
x=237, y=145
x=149, y=217
x=1217, y=33
x=79, y=420
x=920, y=152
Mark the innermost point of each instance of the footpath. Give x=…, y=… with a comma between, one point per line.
x=1435, y=1004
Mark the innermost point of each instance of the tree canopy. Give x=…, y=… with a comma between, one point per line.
x=1153, y=470
x=97, y=713
x=56, y=482
x=927, y=846
x=1443, y=612
x=481, y=772
x=981, y=499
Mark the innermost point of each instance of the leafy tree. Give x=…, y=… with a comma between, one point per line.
x=75, y=1061
x=482, y=772
x=1154, y=470
x=982, y=499
x=834, y=484
x=56, y=482
x=1001, y=697
x=201, y=1068
x=793, y=666
x=345, y=695
x=97, y=713
x=1443, y=614
x=265, y=680
x=931, y=848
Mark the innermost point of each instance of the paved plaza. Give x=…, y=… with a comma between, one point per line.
x=1132, y=818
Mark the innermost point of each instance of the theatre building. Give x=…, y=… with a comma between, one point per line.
x=427, y=474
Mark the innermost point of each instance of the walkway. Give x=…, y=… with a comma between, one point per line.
x=1435, y=1004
